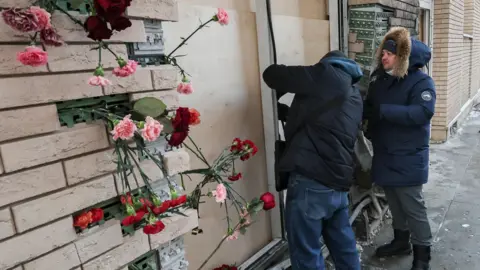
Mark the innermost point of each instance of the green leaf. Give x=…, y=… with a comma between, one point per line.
x=258, y=208
x=75, y=4
x=129, y=229
x=167, y=124
x=150, y=106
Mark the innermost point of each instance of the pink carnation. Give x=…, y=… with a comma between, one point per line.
x=222, y=16
x=152, y=129
x=185, y=88
x=125, y=129
x=128, y=69
x=99, y=81
x=220, y=193
x=33, y=56
x=20, y=19
x=43, y=17
x=49, y=37
x=233, y=236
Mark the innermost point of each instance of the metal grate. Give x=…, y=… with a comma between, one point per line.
x=151, y=52
x=149, y=261
x=370, y=23
x=81, y=7
x=69, y=114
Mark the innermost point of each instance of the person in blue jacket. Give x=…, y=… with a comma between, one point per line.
x=399, y=107
x=319, y=158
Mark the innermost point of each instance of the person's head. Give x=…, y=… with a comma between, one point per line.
x=338, y=59
x=389, y=54
x=394, y=52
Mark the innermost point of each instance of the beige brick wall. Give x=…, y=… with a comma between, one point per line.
x=48, y=172
x=468, y=16
x=456, y=66
x=451, y=63
x=476, y=49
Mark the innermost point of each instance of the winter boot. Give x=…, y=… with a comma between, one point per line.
x=421, y=258
x=399, y=246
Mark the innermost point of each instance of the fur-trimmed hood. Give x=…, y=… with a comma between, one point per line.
x=401, y=36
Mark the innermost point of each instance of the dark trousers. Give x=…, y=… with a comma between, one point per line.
x=313, y=211
x=409, y=212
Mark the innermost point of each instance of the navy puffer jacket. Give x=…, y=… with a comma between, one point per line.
x=323, y=150
x=400, y=130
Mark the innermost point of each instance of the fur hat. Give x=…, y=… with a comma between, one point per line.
x=401, y=36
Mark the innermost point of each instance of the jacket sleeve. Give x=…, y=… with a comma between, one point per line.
x=420, y=110
x=367, y=106
x=289, y=79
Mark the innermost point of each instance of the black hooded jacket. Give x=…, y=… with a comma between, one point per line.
x=323, y=150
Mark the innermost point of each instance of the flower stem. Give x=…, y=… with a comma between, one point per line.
x=191, y=35
x=142, y=173
x=196, y=154
x=198, y=149
x=215, y=250
x=129, y=163
x=100, y=44
x=105, y=46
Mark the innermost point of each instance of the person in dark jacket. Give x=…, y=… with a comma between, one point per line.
x=399, y=107
x=319, y=158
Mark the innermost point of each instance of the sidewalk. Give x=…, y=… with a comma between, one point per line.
x=453, y=199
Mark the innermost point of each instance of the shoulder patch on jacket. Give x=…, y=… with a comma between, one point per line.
x=426, y=95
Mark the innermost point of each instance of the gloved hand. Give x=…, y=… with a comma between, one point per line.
x=371, y=113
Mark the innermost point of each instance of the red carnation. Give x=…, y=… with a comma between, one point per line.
x=177, y=138
x=120, y=23
x=178, y=201
x=145, y=204
x=235, y=177
x=111, y=8
x=83, y=220
x=97, y=214
x=129, y=220
x=126, y=199
x=250, y=148
x=97, y=28
x=236, y=145
x=154, y=228
x=268, y=201
x=162, y=208
x=180, y=123
x=226, y=267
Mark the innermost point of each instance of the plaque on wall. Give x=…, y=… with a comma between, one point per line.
x=152, y=51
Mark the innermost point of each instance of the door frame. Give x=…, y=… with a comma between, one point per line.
x=270, y=118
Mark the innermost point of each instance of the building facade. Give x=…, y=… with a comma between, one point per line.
x=450, y=27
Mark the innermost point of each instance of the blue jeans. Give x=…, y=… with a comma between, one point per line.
x=312, y=211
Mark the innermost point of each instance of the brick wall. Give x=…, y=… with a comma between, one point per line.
x=468, y=16
x=476, y=49
x=456, y=67
x=49, y=172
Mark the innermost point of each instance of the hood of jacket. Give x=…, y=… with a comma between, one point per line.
x=347, y=65
x=401, y=36
x=420, y=55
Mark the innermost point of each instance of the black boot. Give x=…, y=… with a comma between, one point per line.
x=421, y=258
x=399, y=246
